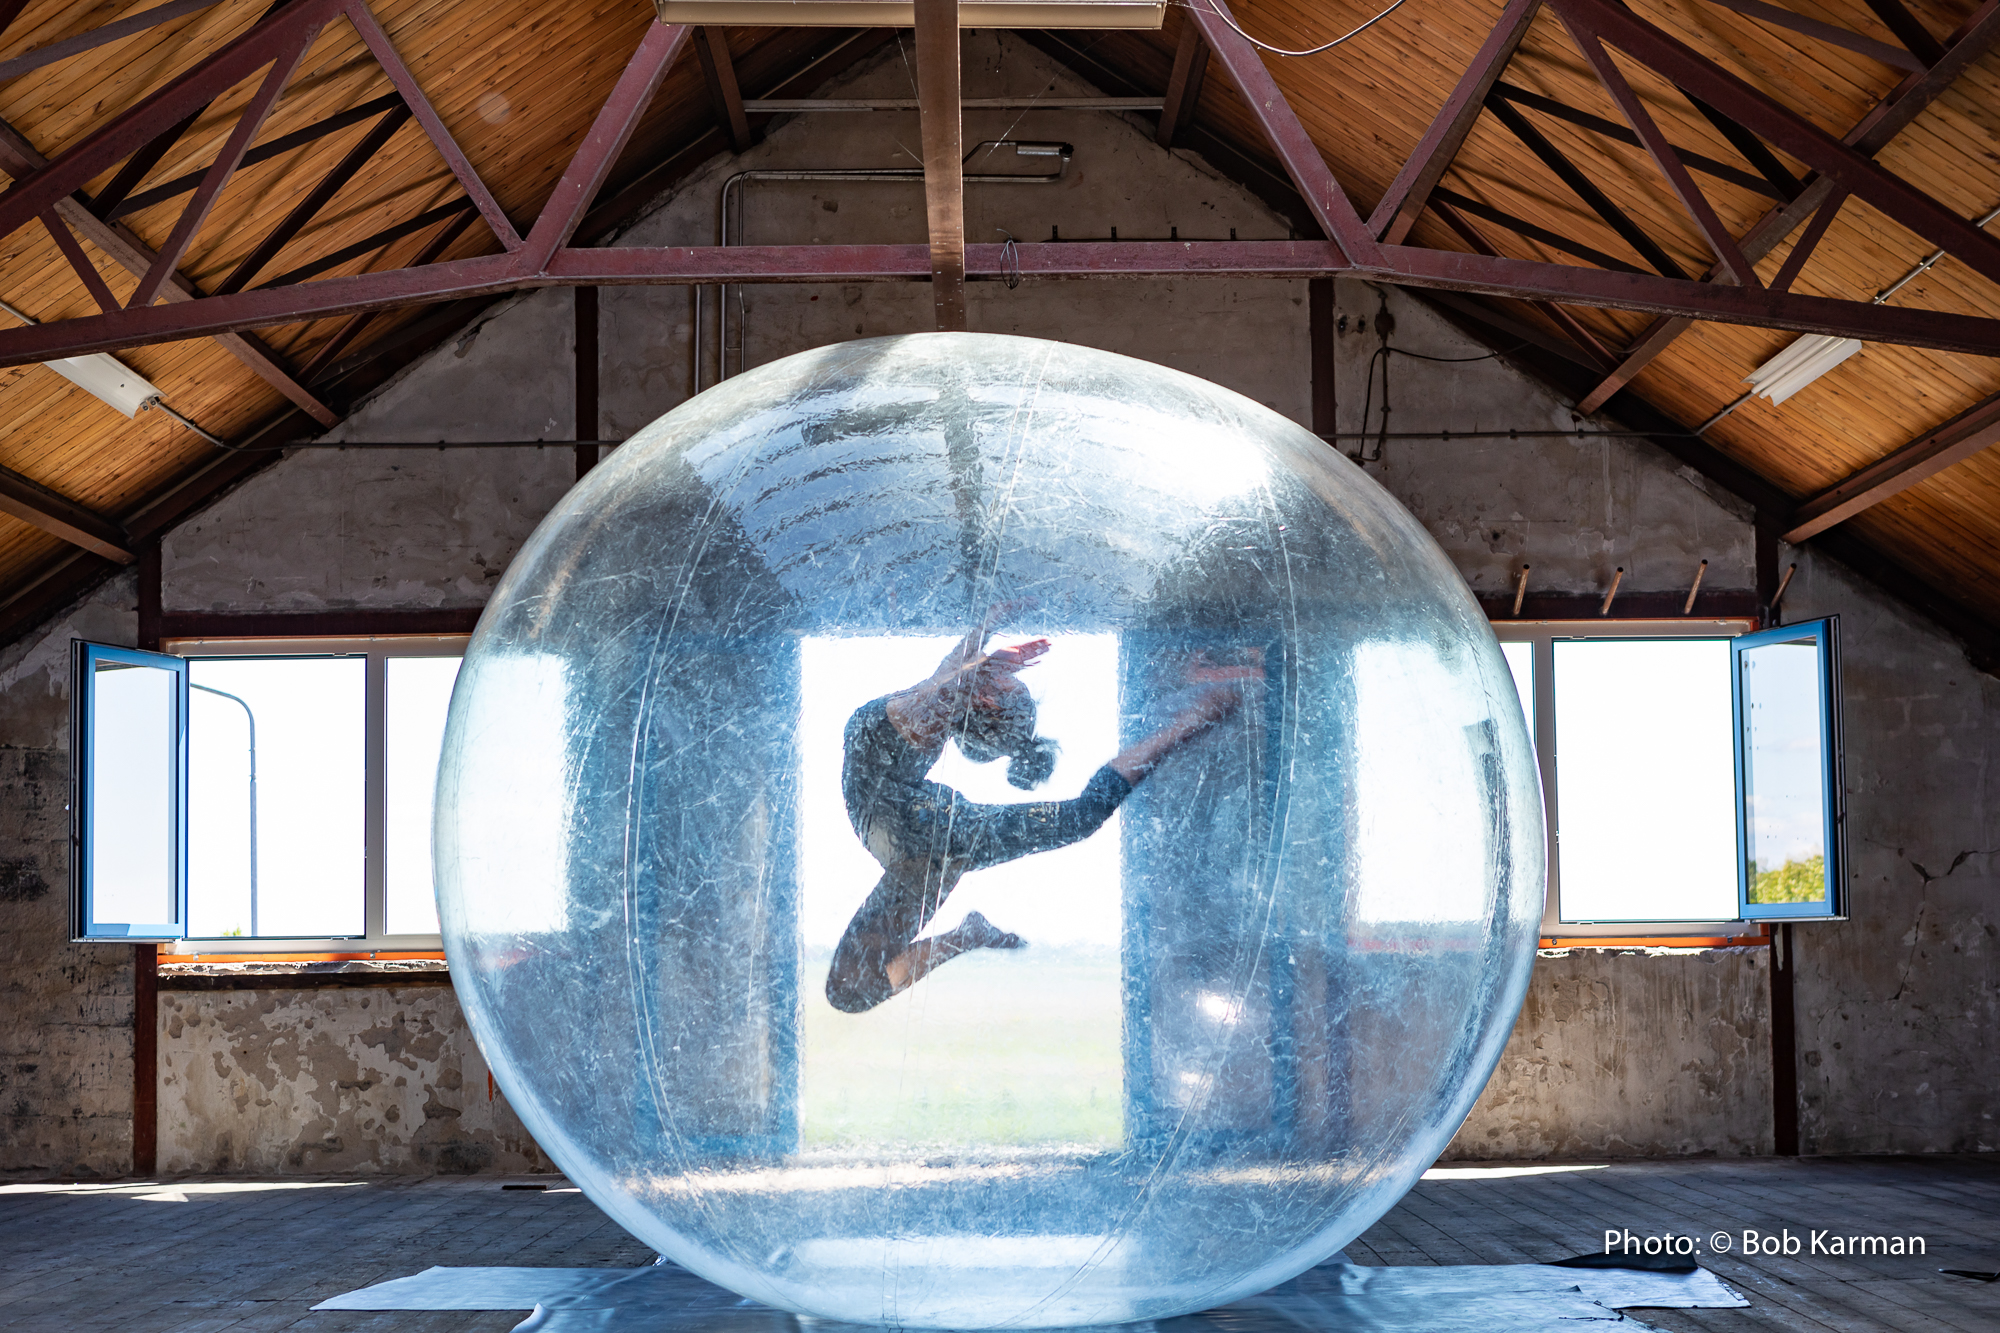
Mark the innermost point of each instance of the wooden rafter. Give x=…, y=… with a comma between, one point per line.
x=943, y=126
x=1971, y=432
x=1183, y=85
x=718, y=71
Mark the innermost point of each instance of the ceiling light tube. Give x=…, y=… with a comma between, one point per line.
x=1799, y=365
x=109, y=379
x=100, y=374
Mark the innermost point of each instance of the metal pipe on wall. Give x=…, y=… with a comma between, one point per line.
x=729, y=228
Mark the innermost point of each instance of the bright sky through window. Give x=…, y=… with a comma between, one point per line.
x=1069, y=896
x=1416, y=744
x=1027, y=1045
x=419, y=693
x=307, y=846
x=1645, y=780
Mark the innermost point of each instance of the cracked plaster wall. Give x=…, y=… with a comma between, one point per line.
x=1616, y=1053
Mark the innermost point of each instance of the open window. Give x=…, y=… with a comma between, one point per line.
x=128, y=777
x=1690, y=770
x=1791, y=804
x=260, y=796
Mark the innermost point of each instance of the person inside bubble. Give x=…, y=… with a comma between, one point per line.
x=928, y=836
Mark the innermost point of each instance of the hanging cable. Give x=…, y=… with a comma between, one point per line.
x=1281, y=51
x=215, y=440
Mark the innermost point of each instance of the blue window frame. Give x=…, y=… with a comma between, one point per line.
x=1790, y=799
x=128, y=776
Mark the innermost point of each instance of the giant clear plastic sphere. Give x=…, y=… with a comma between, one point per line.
x=957, y=830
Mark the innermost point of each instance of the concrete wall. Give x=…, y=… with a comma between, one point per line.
x=65, y=1009
x=381, y=1079
x=1633, y=1053
x=1617, y=1053
x=1899, y=1008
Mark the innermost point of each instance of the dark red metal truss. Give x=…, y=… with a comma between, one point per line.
x=1355, y=247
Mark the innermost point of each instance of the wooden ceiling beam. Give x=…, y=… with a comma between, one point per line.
x=109, y=202
x=942, y=122
x=59, y=516
x=1909, y=30
x=1779, y=17
x=112, y=208
x=378, y=44
x=93, y=281
x=1970, y=432
x=1584, y=188
x=19, y=158
x=718, y=71
x=1873, y=132
x=319, y=197
x=1410, y=191
x=98, y=36
x=1183, y=85
x=1612, y=130
x=167, y=262
x=1465, y=203
x=1720, y=242
x=1323, y=195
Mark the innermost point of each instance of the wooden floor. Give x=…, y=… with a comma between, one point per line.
x=198, y=1255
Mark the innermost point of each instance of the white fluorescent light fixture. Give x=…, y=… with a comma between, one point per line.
x=109, y=379
x=1799, y=365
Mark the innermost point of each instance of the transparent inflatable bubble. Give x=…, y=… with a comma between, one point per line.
x=956, y=830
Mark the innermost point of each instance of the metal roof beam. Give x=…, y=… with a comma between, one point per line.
x=1870, y=135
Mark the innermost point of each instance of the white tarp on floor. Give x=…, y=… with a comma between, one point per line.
x=1500, y=1298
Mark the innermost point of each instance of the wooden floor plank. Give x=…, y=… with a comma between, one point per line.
x=255, y=1261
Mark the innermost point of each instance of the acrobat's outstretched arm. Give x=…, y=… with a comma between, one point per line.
x=968, y=675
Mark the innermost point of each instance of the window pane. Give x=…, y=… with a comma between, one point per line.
x=1521, y=661
x=419, y=693
x=1645, y=780
x=1784, y=773
x=1045, y=1024
x=131, y=795
x=276, y=796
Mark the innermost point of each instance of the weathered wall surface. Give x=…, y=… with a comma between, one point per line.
x=380, y=1079
x=1633, y=1054
x=1617, y=1052
x=65, y=1009
x=1899, y=1007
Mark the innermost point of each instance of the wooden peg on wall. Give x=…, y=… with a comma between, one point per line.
x=1779, y=595
x=1520, y=590
x=1698, y=573
x=1617, y=577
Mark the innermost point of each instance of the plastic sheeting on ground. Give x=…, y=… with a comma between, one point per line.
x=1499, y=1298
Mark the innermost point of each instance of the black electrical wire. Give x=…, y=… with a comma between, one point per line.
x=1382, y=355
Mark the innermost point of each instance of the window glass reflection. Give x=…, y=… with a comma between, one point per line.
x=132, y=849
x=1784, y=773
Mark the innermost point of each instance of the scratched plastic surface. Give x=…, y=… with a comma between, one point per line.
x=1252, y=1006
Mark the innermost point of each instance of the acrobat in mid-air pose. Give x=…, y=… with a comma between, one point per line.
x=927, y=836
